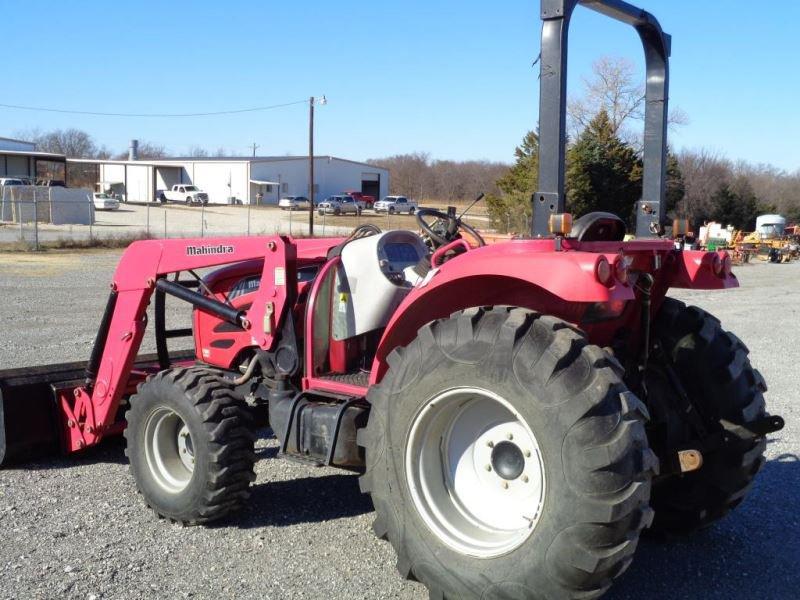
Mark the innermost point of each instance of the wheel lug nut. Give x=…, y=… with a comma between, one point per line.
x=525, y=479
x=488, y=467
x=510, y=436
x=490, y=444
x=505, y=485
x=527, y=453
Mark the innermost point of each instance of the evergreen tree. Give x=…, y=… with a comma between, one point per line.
x=735, y=204
x=511, y=209
x=676, y=187
x=603, y=172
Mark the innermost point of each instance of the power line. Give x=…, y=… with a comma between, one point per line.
x=149, y=115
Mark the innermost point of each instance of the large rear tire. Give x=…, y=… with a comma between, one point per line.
x=506, y=459
x=190, y=445
x=727, y=392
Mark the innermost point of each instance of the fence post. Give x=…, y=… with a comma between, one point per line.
x=147, y=230
x=291, y=210
x=324, y=213
x=249, y=204
x=21, y=221
x=35, y=222
x=165, y=222
x=202, y=220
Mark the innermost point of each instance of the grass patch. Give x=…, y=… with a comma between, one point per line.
x=63, y=243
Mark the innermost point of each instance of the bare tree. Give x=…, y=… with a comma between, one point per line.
x=197, y=152
x=704, y=173
x=615, y=87
x=444, y=180
x=73, y=143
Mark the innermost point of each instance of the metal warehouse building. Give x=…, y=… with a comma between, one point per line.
x=21, y=159
x=230, y=180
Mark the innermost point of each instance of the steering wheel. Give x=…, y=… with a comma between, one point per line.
x=445, y=228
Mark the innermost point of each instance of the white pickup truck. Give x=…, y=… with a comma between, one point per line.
x=396, y=204
x=190, y=194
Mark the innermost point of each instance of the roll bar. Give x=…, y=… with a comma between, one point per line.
x=555, y=15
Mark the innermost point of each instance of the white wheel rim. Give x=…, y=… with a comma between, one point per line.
x=169, y=450
x=475, y=472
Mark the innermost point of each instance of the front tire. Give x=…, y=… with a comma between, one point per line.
x=558, y=512
x=190, y=445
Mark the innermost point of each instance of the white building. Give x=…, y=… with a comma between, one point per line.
x=240, y=179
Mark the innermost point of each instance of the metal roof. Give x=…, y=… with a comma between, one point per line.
x=8, y=139
x=33, y=153
x=170, y=161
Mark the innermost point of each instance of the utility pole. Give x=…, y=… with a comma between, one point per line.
x=255, y=146
x=311, y=101
x=311, y=166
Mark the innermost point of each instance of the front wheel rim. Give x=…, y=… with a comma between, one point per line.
x=169, y=450
x=475, y=472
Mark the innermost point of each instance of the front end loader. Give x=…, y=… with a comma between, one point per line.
x=519, y=412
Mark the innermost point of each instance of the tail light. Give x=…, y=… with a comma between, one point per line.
x=716, y=265
x=727, y=265
x=621, y=269
x=604, y=272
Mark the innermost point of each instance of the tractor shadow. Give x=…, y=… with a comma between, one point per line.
x=314, y=499
x=753, y=552
x=110, y=451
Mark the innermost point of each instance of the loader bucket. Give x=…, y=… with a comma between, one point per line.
x=31, y=423
x=29, y=416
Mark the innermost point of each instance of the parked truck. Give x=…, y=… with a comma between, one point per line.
x=361, y=199
x=396, y=204
x=189, y=194
x=339, y=205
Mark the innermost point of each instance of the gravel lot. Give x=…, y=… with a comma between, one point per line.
x=75, y=527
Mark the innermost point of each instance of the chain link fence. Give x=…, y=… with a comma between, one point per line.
x=34, y=217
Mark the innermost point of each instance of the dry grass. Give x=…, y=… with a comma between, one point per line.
x=64, y=243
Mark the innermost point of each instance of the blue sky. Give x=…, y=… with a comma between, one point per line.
x=452, y=78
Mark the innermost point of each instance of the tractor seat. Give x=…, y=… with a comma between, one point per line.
x=598, y=227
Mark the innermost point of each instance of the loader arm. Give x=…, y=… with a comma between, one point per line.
x=82, y=412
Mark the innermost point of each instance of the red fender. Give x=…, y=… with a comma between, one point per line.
x=518, y=273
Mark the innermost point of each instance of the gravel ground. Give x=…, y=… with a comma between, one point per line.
x=75, y=527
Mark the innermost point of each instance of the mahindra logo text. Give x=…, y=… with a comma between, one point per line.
x=203, y=250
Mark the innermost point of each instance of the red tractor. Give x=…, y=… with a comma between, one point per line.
x=520, y=411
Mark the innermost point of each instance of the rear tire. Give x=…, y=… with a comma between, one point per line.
x=556, y=393
x=190, y=445
x=713, y=368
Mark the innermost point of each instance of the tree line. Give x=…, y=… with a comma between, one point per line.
x=419, y=176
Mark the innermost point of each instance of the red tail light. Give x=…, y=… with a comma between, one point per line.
x=716, y=265
x=621, y=269
x=727, y=265
x=603, y=271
